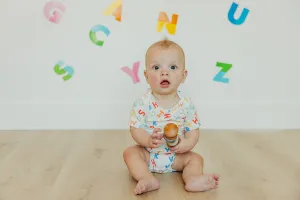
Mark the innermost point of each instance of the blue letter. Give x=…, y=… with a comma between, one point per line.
x=220, y=77
x=241, y=19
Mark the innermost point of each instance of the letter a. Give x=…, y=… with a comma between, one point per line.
x=115, y=9
x=232, y=11
x=164, y=20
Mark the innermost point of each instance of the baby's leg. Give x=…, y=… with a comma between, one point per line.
x=137, y=159
x=192, y=166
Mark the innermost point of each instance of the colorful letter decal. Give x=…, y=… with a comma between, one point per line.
x=115, y=9
x=232, y=11
x=132, y=73
x=53, y=11
x=96, y=29
x=220, y=76
x=164, y=20
x=59, y=69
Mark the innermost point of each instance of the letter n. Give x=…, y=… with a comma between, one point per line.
x=164, y=20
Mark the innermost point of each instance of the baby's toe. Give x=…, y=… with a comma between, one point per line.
x=137, y=190
x=143, y=188
x=215, y=184
x=216, y=177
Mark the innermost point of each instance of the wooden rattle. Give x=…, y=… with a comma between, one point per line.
x=171, y=134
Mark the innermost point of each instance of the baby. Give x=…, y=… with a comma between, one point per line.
x=163, y=104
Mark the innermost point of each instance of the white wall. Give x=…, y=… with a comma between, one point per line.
x=263, y=89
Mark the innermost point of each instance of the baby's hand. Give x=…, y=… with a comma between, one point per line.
x=183, y=146
x=155, y=139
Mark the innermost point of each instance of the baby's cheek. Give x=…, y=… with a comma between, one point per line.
x=154, y=80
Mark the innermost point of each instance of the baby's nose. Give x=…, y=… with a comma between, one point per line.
x=164, y=73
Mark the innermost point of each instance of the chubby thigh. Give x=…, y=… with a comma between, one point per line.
x=143, y=152
x=183, y=159
x=136, y=152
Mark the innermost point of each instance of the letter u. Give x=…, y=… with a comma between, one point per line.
x=232, y=11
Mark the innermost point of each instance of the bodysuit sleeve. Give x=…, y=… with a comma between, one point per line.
x=137, y=114
x=191, y=121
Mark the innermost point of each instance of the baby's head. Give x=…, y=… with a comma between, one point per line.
x=165, y=67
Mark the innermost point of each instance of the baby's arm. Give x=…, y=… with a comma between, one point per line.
x=142, y=137
x=187, y=142
x=137, y=124
x=191, y=138
x=191, y=124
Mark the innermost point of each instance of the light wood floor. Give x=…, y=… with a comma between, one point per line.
x=88, y=165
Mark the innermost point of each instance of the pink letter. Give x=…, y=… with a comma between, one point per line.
x=53, y=11
x=132, y=73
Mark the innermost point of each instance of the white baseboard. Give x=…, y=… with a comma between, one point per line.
x=45, y=116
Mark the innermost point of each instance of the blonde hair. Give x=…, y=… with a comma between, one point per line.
x=165, y=44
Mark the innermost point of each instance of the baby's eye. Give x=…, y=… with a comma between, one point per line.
x=173, y=67
x=155, y=67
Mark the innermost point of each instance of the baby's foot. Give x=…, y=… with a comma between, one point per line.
x=202, y=183
x=146, y=185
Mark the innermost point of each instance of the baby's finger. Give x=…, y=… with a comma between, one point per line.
x=174, y=148
x=156, y=135
x=177, y=151
x=156, y=130
x=154, y=146
x=160, y=135
x=157, y=141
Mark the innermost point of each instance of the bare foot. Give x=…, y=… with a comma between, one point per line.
x=202, y=183
x=146, y=185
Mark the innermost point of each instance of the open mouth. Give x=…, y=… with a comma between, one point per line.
x=164, y=83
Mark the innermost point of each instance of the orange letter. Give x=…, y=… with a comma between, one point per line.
x=180, y=105
x=167, y=115
x=115, y=9
x=154, y=104
x=141, y=112
x=195, y=120
x=161, y=112
x=170, y=25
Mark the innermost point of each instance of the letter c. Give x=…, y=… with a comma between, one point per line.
x=96, y=29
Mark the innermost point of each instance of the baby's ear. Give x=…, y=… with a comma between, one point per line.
x=146, y=76
x=185, y=73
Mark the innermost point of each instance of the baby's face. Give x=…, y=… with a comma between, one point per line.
x=165, y=69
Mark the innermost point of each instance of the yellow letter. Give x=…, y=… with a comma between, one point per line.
x=115, y=9
x=170, y=26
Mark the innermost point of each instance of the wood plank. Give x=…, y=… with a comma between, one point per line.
x=88, y=165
